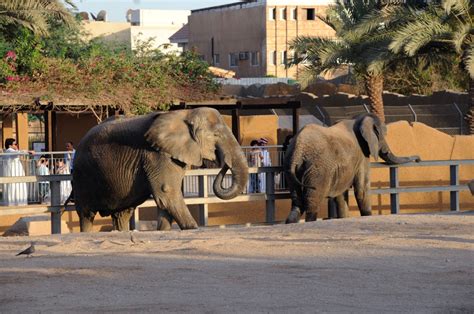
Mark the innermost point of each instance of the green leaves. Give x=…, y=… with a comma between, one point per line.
x=34, y=14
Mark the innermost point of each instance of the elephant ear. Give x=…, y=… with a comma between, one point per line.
x=369, y=131
x=171, y=133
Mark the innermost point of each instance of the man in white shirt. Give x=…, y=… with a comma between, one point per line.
x=69, y=156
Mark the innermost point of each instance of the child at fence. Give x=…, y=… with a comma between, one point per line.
x=42, y=169
x=266, y=162
x=255, y=158
x=65, y=185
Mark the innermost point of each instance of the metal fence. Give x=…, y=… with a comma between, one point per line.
x=247, y=81
x=199, y=191
x=448, y=118
x=37, y=164
x=40, y=164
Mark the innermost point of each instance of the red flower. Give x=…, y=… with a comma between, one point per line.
x=10, y=55
x=15, y=78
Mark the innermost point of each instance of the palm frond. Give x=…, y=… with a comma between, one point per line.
x=469, y=61
x=33, y=14
x=460, y=36
x=413, y=36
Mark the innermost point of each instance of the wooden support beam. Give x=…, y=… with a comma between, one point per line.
x=236, y=124
x=7, y=127
x=48, y=130
x=22, y=130
x=296, y=120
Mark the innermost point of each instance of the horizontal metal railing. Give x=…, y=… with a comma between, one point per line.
x=201, y=193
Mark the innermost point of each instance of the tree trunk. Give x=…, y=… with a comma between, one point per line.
x=470, y=113
x=374, y=87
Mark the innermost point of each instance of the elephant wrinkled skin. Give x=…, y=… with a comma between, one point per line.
x=324, y=162
x=121, y=162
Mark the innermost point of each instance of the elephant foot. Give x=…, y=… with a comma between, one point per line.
x=86, y=220
x=311, y=217
x=293, y=217
x=121, y=220
x=188, y=225
x=164, y=221
x=366, y=213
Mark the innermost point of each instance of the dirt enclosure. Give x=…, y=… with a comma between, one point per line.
x=404, y=263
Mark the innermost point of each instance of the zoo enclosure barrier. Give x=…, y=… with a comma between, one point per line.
x=204, y=195
x=39, y=192
x=41, y=163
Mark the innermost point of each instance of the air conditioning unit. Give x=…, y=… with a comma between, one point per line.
x=244, y=55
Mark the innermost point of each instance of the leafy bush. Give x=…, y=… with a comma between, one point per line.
x=63, y=67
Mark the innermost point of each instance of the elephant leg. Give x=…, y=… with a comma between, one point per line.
x=342, y=206
x=86, y=220
x=170, y=197
x=296, y=206
x=313, y=200
x=121, y=219
x=362, y=195
x=165, y=220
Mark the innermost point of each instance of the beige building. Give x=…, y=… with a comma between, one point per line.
x=145, y=27
x=253, y=38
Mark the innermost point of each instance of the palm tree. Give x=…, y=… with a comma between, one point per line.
x=34, y=14
x=446, y=26
x=367, y=53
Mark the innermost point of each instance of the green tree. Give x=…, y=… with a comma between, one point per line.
x=33, y=14
x=367, y=54
x=445, y=27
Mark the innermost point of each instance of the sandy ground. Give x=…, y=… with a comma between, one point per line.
x=404, y=263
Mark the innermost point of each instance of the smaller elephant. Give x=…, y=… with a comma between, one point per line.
x=324, y=162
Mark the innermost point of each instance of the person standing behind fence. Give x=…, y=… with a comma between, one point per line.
x=65, y=185
x=69, y=156
x=42, y=169
x=266, y=162
x=14, y=194
x=255, y=160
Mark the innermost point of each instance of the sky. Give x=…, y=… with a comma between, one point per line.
x=116, y=8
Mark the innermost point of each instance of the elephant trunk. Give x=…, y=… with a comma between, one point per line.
x=239, y=168
x=386, y=154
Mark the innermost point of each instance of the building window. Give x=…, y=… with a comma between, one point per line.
x=272, y=14
x=233, y=59
x=283, y=14
x=284, y=58
x=216, y=59
x=274, y=58
x=294, y=14
x=310, y=14
x=254, y=58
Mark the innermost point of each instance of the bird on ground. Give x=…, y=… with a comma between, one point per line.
x=134, y=239
x=28, y=251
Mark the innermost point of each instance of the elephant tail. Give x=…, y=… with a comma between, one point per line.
x=295, y=161
x=69, y=199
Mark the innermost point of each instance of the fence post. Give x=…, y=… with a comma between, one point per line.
x=394, y=197
x=56, y=212
x=270, y=197
x=203, y=208
x=454, y=180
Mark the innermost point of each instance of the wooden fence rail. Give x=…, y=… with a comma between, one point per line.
x=270, y=196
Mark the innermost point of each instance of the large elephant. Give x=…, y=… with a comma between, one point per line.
x=121, y=162
x=324, y=162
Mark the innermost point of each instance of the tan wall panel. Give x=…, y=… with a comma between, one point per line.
x=72, y=127
x=22, y=130
x=7, y=128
